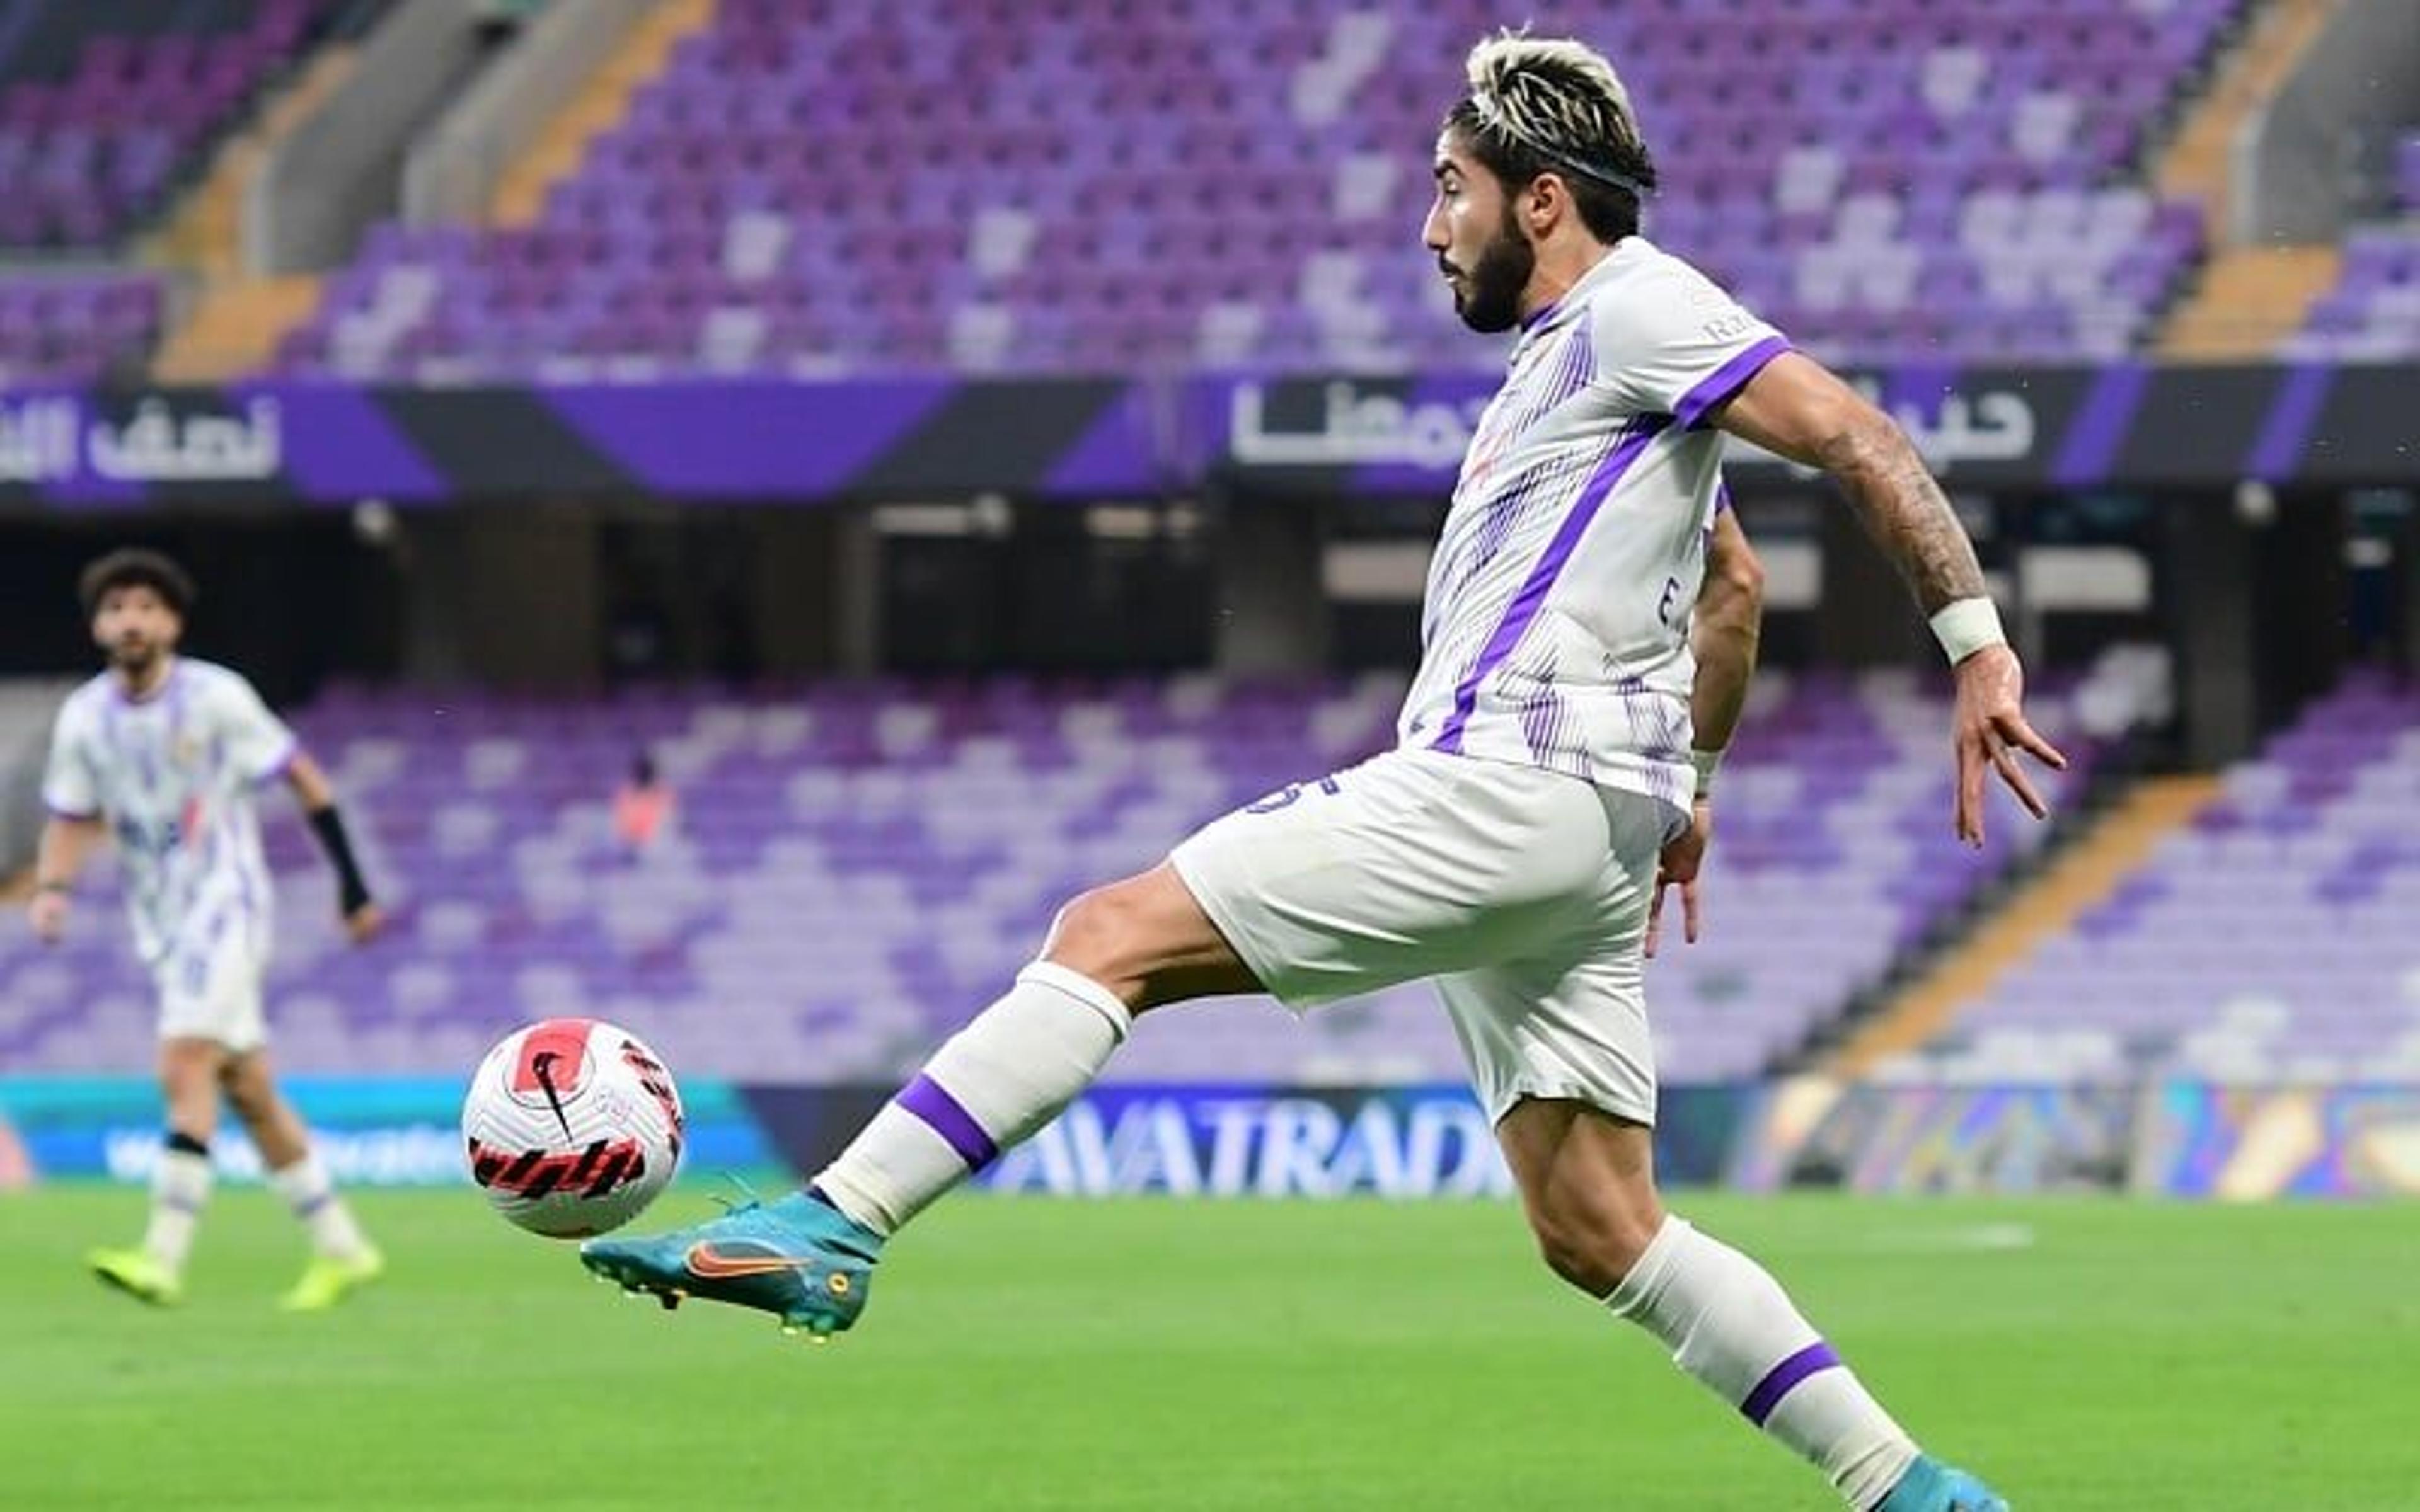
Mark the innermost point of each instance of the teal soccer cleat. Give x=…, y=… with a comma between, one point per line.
x=799, y=1259
x=1930, y=1486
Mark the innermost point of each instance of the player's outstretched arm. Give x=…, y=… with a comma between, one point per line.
x=1797, y=408
x=317, y=796
x=65, y=845
x=1723, y=629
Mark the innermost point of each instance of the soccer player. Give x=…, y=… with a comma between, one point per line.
x=1508, y=845
x=161, y=752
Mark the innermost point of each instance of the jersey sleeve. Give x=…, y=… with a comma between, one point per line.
x=260, y=744
x=1683, y=348
x=69, y=790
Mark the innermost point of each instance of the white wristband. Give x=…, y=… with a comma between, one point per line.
x=1966, y=627
x=1707, y=763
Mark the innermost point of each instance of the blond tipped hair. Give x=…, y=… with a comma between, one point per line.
x=1560, y=98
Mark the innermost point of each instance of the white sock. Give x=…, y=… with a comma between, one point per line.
x=992, y=1084
x=181, y=1186
x=1731, y=1326
x=307, y=1190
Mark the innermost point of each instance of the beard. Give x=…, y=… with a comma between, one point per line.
x=1490, y=299
x=134, y=657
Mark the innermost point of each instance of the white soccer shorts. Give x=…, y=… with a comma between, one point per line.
x=1523, y=892
x=212, y=990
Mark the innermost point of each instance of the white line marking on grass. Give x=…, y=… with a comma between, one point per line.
x=1984, y=1237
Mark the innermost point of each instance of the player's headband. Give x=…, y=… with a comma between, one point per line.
x=1493, y=117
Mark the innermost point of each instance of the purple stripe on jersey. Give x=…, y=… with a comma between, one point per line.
x=249, y=900
x=70, y=814
x=284, y=762
x=931, y=1101
x=1726, y=380
x=1542, y=724
x=1504, y=515
x=1784, y=1378
x=1495, y=527
x=1531, y=595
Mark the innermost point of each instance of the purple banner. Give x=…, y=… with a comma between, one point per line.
x=329, y=445
x=789, y=443
x=2122, y=424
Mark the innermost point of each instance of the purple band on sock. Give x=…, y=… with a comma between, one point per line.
x=180, y=1204
x=308, y=1206
x=1779, y=1381
x=929, y=1101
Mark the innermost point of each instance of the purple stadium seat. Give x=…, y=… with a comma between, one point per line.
x=75, y=328
x=1788, y=134
x=97, y=127
x=2373, y=313
x=102, y=121
x=857, y=869
x=2202, y=962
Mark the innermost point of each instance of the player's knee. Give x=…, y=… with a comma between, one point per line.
x=248, y=1103
x=1096, y=934
x=1580, y=1260
x=250, y=1097
x=1147, y=942
x=1594, y=1249
x=187, y=1082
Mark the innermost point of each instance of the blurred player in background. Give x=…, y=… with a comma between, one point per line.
x=1545, y=777
x=161, y=753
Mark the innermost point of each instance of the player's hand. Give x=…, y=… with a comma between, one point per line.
x=1990, y=729
x=365, y=922
x=48, y=913
x=1678, y=867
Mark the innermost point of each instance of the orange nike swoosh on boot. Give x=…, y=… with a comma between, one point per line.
x=704, y=1260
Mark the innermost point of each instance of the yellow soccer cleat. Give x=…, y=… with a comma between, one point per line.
x=137, y=1273
x=328, y=1278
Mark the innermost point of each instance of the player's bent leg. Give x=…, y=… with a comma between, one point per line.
x=1586, y=1179
x=188, y=1083
x=1149, y=941
x=1112, y=952
x=1588, y=1187
x=180, y=1180
x=343, y=1261
x=277, y=1131
x=808, y=1258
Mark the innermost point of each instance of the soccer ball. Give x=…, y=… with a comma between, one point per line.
x=573, y=1126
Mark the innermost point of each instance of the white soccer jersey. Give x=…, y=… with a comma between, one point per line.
x=173, y=775
x=1556, y=627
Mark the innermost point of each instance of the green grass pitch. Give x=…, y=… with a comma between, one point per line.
x=1160, y=1355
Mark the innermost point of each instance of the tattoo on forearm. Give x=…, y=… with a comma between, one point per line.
x=1908, y=516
